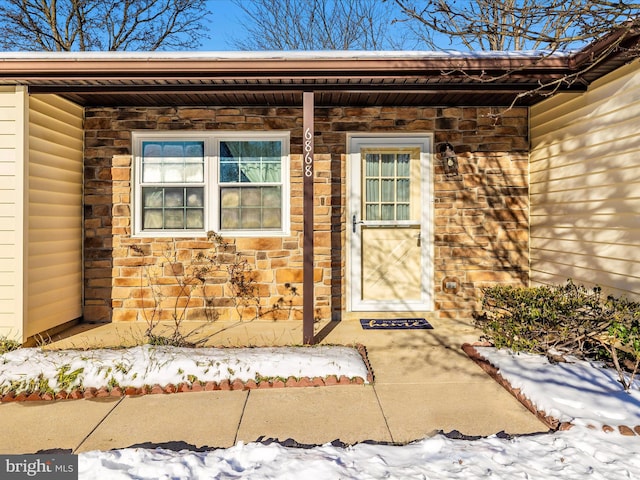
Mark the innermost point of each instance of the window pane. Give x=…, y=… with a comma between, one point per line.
x=194, y=150
x=403, y=211
x=174, y=218
x=272, y=218
x=173, y=173
x=151, y=173
x=173, y=208
x=388, y=167
x=272, y=171
x=373, y=187
x=388, y=212
x=403, y=164
x=230, y=197
x=250, y=218
x=388, y=191
x=372, y=212
x=173, y=162
x=230, y=219
x=150, y=149
x=251, y=197
x=152, y=219
x=272, y=196
x=173, y=149
x=173, y=197
x=195, y=197
x=194, y=173
x=195, y=218
x=372, y=165
x=152, y=197
x=251, y=208
x=250, y=172
x=229, y=172
x=250, y=162
x=403, y=190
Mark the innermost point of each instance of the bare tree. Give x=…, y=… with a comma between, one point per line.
x=78, y=25
x=513, y=24
x=316, y=25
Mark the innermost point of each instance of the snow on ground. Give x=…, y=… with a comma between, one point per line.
x=151, y=365
x=575, y=454
x=581, y=392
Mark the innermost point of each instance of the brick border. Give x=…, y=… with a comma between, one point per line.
x=553, y=423
x=198, y=386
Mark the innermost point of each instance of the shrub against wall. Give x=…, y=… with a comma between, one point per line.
x=564, y=320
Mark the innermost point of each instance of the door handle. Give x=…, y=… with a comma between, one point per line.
x=354, y=222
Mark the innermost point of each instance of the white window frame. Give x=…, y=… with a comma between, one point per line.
x=211, y=140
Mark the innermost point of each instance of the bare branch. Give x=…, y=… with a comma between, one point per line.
x=513, y=24
x=77, y=25
x=315, y=25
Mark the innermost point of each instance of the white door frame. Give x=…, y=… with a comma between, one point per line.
x=355, y=142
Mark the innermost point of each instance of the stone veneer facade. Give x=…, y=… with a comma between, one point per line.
x=481, y=215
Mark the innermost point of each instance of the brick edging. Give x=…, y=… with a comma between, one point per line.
x=198, y=386
x=362, y=350
x=553, y=423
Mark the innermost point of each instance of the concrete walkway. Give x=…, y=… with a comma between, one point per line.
x=423, y=383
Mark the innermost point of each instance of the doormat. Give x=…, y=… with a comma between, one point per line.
x=395, y=324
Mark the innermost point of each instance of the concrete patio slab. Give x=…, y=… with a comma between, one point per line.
x=471, y=408
x=201, y=419
x=424, y=382
x=213, y=334
x=422, y=364
x=30, y=427
x=350, y=414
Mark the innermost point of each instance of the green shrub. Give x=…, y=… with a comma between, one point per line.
x=539, y=319
x=566, y=319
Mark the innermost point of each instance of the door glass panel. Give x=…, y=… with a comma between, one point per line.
x=388, y=165
x=387, y=186
x=388, y=191
x=373, y=190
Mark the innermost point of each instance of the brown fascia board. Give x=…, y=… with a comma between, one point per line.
x=119, y=67
x=627, y=37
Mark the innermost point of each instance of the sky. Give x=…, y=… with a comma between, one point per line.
x=225, y=25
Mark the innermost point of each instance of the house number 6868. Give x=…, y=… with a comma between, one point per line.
x=308, y=153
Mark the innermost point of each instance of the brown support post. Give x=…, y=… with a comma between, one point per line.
x=308, y=300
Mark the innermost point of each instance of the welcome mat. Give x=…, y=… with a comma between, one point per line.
x=395, y=324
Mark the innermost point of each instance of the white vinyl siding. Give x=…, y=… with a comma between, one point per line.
x=12, y=164
x=585, y=186
x=55, y=212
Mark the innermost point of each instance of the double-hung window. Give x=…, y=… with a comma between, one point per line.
x=186, y=184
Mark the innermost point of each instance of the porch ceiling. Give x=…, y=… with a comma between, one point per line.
x=288, y=92
x=280, y=78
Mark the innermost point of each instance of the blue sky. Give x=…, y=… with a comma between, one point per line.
x=224, y=26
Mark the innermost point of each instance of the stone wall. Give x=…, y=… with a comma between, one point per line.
x=481, y=214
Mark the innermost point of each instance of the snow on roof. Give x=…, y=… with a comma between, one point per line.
x=278, y=55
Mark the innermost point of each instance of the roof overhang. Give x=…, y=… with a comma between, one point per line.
x=279, y=78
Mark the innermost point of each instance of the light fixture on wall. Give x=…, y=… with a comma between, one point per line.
x=449, y=159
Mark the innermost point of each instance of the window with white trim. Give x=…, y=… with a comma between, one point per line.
x=188, y=183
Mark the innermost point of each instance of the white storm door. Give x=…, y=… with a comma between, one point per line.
x=390, y=224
